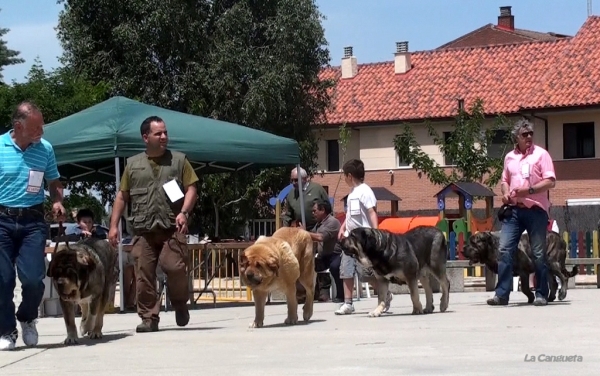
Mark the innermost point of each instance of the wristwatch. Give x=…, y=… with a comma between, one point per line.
x=531, y=191
x=184, y=212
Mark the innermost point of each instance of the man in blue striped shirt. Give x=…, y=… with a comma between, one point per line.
x=26, y=160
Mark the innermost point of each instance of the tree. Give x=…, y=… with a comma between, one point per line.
x=467, y=146
x=254, y=63
x=7, y=56
x=76, y=201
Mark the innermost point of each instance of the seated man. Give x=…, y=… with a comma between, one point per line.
x=328, y=254
x=85, y=226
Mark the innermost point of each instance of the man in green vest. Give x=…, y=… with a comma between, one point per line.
x=311, y=192
x=160, y=185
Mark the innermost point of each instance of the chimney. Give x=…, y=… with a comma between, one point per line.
x=401, y=58
x=349, y=65
x=506, y=20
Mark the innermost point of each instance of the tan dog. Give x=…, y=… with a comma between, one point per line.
x=276, y=263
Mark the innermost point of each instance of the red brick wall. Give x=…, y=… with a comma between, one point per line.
x=575, y=179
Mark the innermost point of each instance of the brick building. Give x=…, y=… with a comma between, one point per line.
x=552, y=79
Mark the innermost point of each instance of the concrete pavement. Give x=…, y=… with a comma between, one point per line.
x=470, y=339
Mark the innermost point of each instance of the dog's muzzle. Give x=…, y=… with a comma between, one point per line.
x=253, y=279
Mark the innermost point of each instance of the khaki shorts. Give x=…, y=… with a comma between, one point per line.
x=350, y=266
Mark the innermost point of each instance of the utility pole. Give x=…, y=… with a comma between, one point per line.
x=589, y=7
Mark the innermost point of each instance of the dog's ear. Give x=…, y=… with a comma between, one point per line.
x=368, y=239
x=243, y=262
x=50, y=271
x=273, y=265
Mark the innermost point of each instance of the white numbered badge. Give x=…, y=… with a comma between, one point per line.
x=525, y=170
x=36, y=179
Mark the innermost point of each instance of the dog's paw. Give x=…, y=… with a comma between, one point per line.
x=83, y=330
x=95, y=335
x=417, y=311
x=256, y=324
x=291, y=321
x=429, y=309
x=71, y=341
x=307, y=313
x=375, y=313
x=561, y=295
x=443, y=307
x=530, y=299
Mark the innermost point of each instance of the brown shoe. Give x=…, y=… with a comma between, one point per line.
x=147, y=326
x=182, y=316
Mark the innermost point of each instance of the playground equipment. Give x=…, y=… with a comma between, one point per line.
x=465, y=223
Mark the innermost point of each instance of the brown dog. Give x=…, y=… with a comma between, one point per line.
x=276, y=263
x=82, y=273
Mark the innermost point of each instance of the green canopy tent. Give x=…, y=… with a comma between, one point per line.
x=91, y=145
x=88, y=142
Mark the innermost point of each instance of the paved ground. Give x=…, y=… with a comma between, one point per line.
x=470, y=339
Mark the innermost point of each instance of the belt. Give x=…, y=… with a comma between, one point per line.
x=32, y=210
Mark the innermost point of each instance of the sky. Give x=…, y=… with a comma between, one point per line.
x=371, y=27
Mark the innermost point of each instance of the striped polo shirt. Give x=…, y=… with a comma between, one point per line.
x=20, y=172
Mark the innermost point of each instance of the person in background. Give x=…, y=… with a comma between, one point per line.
x=86, y=227
x=328, y=256
x=311, y=192
x=361, y=212
x=527, y=176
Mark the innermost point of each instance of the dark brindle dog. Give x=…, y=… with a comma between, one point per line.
x=82, y=273
x=484, y=247
x=407, y=258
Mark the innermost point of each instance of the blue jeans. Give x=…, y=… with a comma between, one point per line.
x=22, y=243
x=535, y=221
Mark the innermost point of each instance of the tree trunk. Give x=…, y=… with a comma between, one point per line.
x=215, y=204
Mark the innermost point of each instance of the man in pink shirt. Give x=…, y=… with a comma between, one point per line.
x=527, y=176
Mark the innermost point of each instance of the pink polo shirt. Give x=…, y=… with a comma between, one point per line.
x=537, y=163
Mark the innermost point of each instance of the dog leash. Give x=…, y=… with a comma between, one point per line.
x=61, y=236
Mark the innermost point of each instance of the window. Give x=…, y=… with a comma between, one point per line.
x=578, y=140
x=447, y=160
x=333, y=155
x=399, y=161
x=500, y=145
x=326, y=188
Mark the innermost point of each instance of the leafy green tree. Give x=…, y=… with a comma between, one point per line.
x=467, y=146
x=254, y=63
x=76, y=201
x=7, y=56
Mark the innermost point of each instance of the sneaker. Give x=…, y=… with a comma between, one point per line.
x=182, y=317
x=29, y=333
x=388, y=301
x=540, y=301
x=345, y=309
x=497, y=301
x=147, y=326
x=7, y=342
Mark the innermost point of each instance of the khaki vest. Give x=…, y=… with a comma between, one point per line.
x=151, y=208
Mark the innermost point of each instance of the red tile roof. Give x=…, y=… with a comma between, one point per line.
x=493, y=34
x=509, y=78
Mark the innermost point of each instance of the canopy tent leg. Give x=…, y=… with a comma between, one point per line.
x=121, y=282
x=301, y=198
